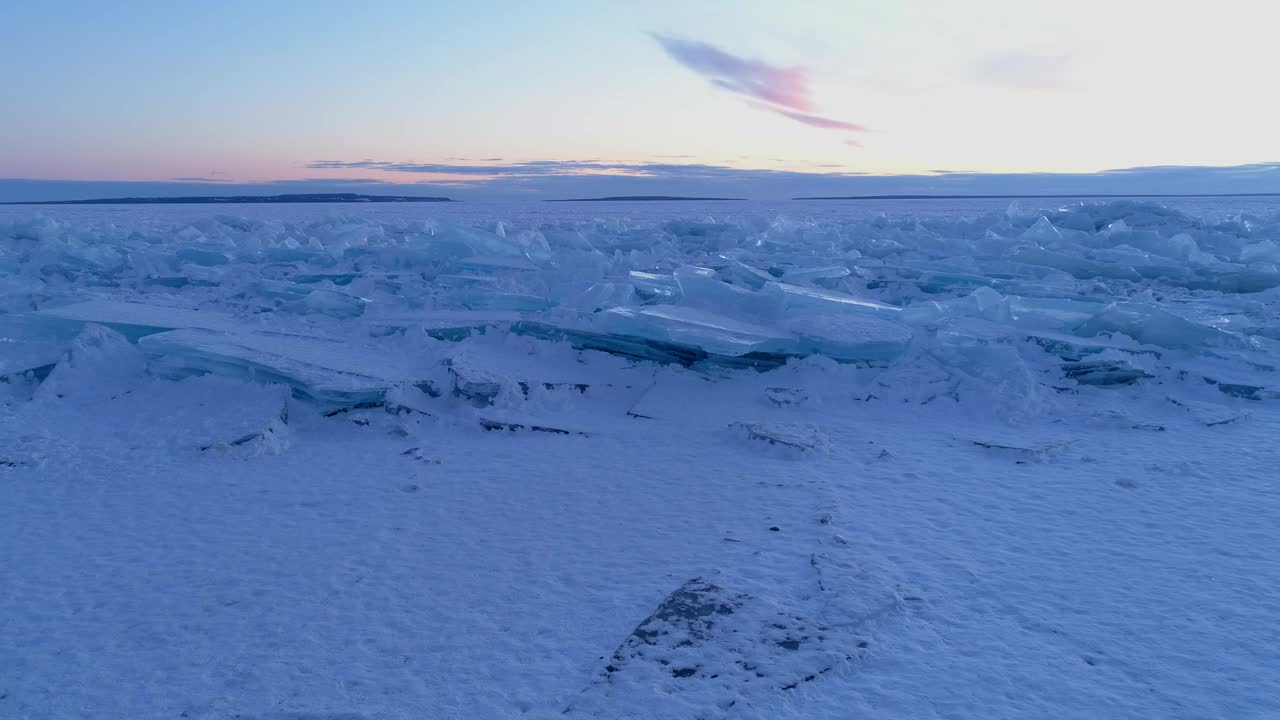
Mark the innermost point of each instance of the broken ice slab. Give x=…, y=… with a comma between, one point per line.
x=846, y=338
x=328, y=302
x=448, y=325
x=704, y=644
x=940, y=282
x=33, y=343
x=684, y=335
x=202, y=256
x=988, y=304
x=1238, y=280
x=796, y=300
x=743, y=274
x=280, y=290
x=603, y=295
x=813, y=274
x=328, y=372
x=176, y=281
x=135, y=320
x=495, y=263
x=502, y=301
x=340, y=278
x=519, y=423
x=483, y=369
x=700, y=289
x=466, y=281
x=100, y=364
x=651, y=286
x=1072, y=347
x=637, y=348
x=786, y=397
x=1079, y=267
x=1151, y=325
x=474, y=382
x=789, y=435
x=1103, y=372
x=678, y=325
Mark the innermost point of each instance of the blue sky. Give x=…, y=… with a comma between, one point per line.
x=516, y=99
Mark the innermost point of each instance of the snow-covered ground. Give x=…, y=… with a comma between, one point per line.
x=799, y=460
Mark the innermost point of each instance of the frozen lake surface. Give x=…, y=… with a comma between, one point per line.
x=641, y=460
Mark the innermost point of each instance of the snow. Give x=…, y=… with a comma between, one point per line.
x=657, y=461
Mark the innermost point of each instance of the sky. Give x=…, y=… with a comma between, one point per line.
x=497, y=100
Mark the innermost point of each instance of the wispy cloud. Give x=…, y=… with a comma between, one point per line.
x=784, y=87
x=783, y=90
x=819, y=121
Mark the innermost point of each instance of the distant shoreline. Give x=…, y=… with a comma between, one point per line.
x=243, y=199
x=1040, y=197
x=354, y=198
x=641, y=198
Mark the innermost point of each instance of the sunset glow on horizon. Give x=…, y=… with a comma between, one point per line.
x=243, y=93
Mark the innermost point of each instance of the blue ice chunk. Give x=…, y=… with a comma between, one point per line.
x=796, y=300
x=990, y=305
x=1152, y=326
x=703, y=290
x=328, y=302
x=34, y=342
x=1078, y=266
x=847, y=338
x=603, y=295
x=98, y=365
x=843, y=337
x=940, y=282
x=630, y=346
x=503, y=301
x=466, y=281
x=329, y=372
x=694, y=327
x=339, y=278
x=448, y=325
x=811, y=274
x=495, y=263
x=1042, y=232
x=134, y=320
x=203, y=256
x=177, y=281
x=742, y=274
x=652, y=286
x=280, y=290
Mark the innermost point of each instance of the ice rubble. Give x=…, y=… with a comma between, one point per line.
x=1094, y=294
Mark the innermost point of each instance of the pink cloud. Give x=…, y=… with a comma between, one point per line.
x=785, y=87
x=783, y=90
x=819, y=121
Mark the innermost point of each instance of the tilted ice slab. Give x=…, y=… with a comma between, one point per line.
x=843, y=338
x=329, y=372
x=134, y=320
x=32, y=343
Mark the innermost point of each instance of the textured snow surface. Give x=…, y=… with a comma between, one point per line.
x=487, y=461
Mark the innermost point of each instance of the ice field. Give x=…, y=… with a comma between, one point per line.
x=909, y=459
